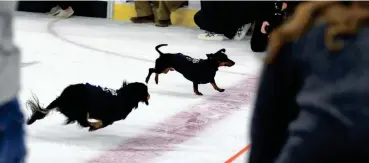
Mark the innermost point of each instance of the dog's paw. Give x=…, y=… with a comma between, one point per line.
x=198, y=93
x=92, y=129
x=221, y=90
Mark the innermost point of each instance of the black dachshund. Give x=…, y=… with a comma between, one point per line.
x=80, y=102
x=199, y=71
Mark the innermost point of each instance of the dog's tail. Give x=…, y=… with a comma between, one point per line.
x=37, y=111
x=157, y=48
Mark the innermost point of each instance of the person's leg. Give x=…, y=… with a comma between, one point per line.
x=220, y=19
x=164, y=10
x=55, y=7
x=208, y=23
x=259, y=41
x=241, y=32
x=12, y=143
x=144, y=12
x=213, y=28
x=65, y=4
x=67, y=10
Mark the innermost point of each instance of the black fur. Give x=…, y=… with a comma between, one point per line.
x=199, y=71
x=79, y=102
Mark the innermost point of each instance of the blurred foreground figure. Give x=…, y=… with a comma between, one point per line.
x=12, y=145
x=313, y=99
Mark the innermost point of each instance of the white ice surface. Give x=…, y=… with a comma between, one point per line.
x=56, y=53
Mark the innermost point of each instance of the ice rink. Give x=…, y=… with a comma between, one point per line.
x=177, y=126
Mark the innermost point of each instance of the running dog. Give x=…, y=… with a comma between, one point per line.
x=198, y=71
x=82, y=102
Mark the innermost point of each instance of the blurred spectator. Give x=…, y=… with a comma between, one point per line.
x=312, y=101
x=61, y=9
x=156, y=11
x=12, y=144
x=282, y=10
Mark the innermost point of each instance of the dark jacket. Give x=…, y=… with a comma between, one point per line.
x=310, y=94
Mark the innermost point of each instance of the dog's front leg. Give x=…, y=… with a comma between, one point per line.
x=151, y=70
x=103, y=125
x=215, y=86
x=95, y=125
x=196, y=89
x=156, y=78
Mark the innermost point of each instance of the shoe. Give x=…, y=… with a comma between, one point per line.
x=54, y=11
x=251, y=30
x=66, y=13
x=163, y=23
x=211, y=36
x=241, y=32
x=143, y=19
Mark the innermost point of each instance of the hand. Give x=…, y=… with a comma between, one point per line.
x=265, y=24
x=284, y=6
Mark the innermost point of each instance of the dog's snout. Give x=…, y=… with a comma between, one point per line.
x=230, y=63
x=148, y=97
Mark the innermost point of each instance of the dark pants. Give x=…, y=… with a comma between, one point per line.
x=12, y=144
x=223, y=17
x=259, y=41
x=162, y=9
x=63, y=4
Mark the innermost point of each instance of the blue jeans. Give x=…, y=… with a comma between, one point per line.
x=12, y=144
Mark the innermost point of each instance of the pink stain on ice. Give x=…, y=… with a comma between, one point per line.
x=182, y=126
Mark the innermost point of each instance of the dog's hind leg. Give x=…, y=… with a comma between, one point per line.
x=215, y=86
x=37, y=111
x=196, y=89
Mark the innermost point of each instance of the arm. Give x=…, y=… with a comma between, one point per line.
x=274, y=18
x=275, y=107
x=282, y=10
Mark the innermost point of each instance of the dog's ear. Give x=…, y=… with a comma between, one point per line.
x=125, y=83
x=210, y=56
x=221, y=51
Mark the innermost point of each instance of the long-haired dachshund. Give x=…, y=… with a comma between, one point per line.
x=82, y=102
x=199, y=71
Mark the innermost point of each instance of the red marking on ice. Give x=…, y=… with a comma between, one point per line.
x=182, y=126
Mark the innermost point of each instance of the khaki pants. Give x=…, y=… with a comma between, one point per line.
x=161, y=9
